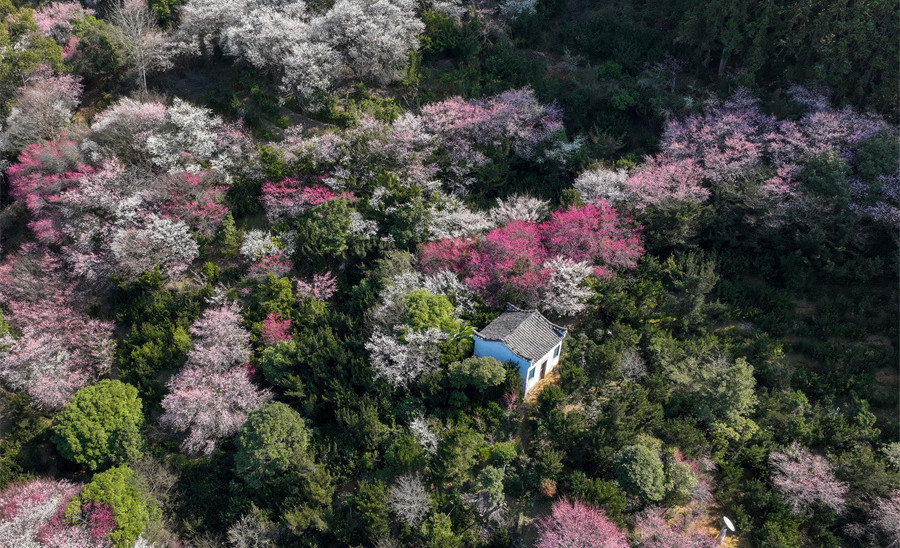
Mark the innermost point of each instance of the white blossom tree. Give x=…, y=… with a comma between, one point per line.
x=409, y=500
x=158, y=242
x=564, y=294
x=602, y=184
x=146, y=47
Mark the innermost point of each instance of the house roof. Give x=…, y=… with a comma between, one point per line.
x=526, y=333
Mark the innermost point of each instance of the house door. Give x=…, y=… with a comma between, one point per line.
x=544, y=369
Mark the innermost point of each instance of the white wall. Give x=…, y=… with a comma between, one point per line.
x=501, y=353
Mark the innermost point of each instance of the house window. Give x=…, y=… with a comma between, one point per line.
x=531, y=373
x=556, y=350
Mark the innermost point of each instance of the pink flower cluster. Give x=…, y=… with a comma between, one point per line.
x=275, y=329
x=733, y=139
x=291, y=197
x=573, y=524
x=196, y=202
x=55, y=19
x=278, y=265
x=59, y=349
x=510, y=262
x=806, y=479
x=683, y=530
x=321, y=287
x=34, y=514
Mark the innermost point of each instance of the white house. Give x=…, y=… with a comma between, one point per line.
x=524, y=337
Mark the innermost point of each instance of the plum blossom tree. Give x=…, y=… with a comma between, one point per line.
x=602, y=184
x=402, y=362
x=573, y=524
x=320, y=287
x=519, y=207
x=156, y=242
x=408, y=499
x=309, y=48
x=219, y=341
x=805, y=480
x=55, y=20
x=275, y=329
x=33, y=514
x=145, y=46
x=516, y=261
x=886, y=519
x=205, y=405
x=291, y=197
x=59, y=349
x=41, y=109
x=564, y=293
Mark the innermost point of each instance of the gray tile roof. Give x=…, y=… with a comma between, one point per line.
x=526, y=333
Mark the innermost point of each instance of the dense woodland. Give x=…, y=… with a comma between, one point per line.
x=245, y=244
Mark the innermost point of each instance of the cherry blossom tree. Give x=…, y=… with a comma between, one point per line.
x=806, y=479
x=205, y=405
x=573, y=524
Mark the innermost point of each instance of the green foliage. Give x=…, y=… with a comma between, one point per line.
x=100, y=58
x=323, y=232
x=639, y=471
x=100, y=427
x=603, y=494
x=490, y=480
x=878, y=155
x=826, y=175
x=371, y=503
x=424, y=311
x=479, y=373
x=118, y=488
x=277, y=465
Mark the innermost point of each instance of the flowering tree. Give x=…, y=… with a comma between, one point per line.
x=519, y=260
x=602, y=184
x=806, y=479
x=275, y=329
x=163, y=243
x=401, y=362
x=308, y=48
x=519, y=207
x=219, y=341
x=320, y=287
x=886, y=518
x=33, y=514
x=55, y=19
x=41, y=109
x=291, y=197
x=654, y=530
x=206, y=405
x=573, y=524
x=409, y=500
x=59, y=348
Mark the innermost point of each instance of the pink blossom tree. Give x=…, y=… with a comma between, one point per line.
x=35, y=514
x=886, y=519
x=655, y=530
x=205, y=405
x=573, y=524
x=275, y=329
x=805, y=480
x=219, y=341
x=58, y=348
x=40, y=109
x=320, y=287
x=518, y=261
x=290, y=197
